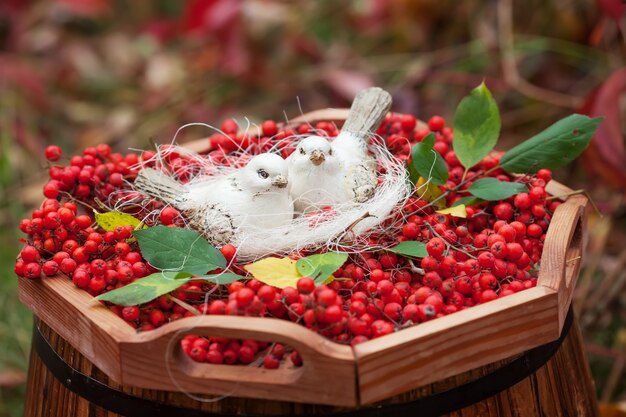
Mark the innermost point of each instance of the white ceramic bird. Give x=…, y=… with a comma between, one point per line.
x=251, y=199
x=324, y=173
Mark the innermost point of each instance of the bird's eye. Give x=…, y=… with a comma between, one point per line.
x=302, y=151
x=263, y=173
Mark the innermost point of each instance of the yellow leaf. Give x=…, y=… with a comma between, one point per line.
x=277, y=272
x=112, y=219
x=429, y=192
x=456, y=211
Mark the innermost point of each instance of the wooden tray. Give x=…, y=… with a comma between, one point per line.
x=332, y=374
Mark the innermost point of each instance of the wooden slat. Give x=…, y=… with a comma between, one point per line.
x=456, y=343
x=563, y=251
x=90, y=327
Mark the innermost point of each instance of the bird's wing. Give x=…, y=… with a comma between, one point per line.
x=160, y=185
x=213, y=221
x=215, y=189
x=361, y=180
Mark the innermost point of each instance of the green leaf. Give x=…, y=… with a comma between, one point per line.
x=320, y=267
x=410, y=248
x=224, y=278
x=146, y=289
x=556, y=146
x=476, y=126
x=427, y=163
x=112, y=219
x=491, y=189
x=468, y=201
x=173, y=248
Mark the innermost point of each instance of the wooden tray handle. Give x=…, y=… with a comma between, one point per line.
x=337, y=116
x=321, y=357
x=563, y=251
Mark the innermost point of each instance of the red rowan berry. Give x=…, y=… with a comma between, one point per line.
x=327, y=297
x=50, y=268
x=229, y=251
x=130, y=313
x=436, y=247
x=30, y=254
x=503, y=211
x=32, y=270
x=244, y=297
x=305, y=285
x=388, y=260
x=53, y=153
x=436, y=123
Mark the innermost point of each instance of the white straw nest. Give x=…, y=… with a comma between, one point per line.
x=347, y=227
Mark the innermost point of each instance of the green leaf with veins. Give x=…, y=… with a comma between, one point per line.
x=410, y=248
x=146, y=289
x=553, y=148
x=427, y=163
x=476, y=126
x=492, y=189
x=321, y=266
x=178, y=249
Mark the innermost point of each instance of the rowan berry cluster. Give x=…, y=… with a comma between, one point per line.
x=492, y=253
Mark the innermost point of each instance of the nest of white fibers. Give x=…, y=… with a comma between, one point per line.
x=349, y=227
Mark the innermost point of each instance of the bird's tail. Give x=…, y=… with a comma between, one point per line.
x=367, y=112
x=159, y=185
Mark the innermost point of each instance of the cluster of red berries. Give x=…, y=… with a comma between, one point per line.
x=219, y=350
x=492, y=253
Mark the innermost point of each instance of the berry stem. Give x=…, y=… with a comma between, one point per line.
x=455, y=189
x=576, y=192
x=184, y=305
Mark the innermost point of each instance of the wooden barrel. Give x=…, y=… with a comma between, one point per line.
x=550, y=380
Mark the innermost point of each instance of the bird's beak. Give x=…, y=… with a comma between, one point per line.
x=280, y=181
x=317, y=157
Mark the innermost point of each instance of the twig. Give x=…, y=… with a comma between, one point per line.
x=601, y=297
x=457, y=188
x=415, y=268
x=577, y=192
x=448, y=245
x=613, y=379
x=354, y=223
x=184, y=305
x=509, y=65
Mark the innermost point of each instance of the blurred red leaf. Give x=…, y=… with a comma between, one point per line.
x=306, y=46
x=21, y=76
x=212, y=16
x=606, y=155
x=86, y=8
x=163, y=30
x=612, y=8
x=346, y=83
x=221, y=19
x=376, y=14
x=12, y=378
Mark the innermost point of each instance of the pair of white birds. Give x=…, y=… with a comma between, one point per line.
x=269, y=190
